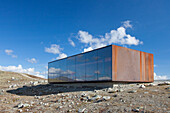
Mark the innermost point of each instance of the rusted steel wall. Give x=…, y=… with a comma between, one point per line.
x=131, y=65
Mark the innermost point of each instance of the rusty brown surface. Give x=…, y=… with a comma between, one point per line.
x=131, y=65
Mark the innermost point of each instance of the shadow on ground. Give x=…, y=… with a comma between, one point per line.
x=47, y=89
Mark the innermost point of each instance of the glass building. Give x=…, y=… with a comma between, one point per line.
x=110, y=63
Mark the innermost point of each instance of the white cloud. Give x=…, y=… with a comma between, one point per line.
x=127, y=24
x=55, y=49
x=62, y=55
x=85, y=37
x=118, y=36
x=32, y=60
x=10, y=53
x=160, y=77
x=20, y=69
x=88, y=49
x=60, y=72
x=71, y=42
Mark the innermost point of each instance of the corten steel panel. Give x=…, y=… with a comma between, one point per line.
x=131, y=65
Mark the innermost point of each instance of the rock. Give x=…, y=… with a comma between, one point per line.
x=128, y=109
x=111, y=90
x=19, y=110
x=142, y=86
x=97, y=101
x=84, y=98
x=168, y=88
x=35, y=83
x=121, y=99
x=98, y=91
x=46, y=104
x=120, y=90
x=146, y=92
x=69, y=106
x=141, y=107
x=36, y=97
x=40, y=81
x=132, y=91
x=135, y=110
x=20, y=105
x=115, y=85
x=14, y=86
x=31, y=82
x=41, y=103
x=164, y=83
x=106, y=97
x=60, y=107
x=45, y=81
x=84, y=94
x=81, y=110
x=95, y=97
x=12, y=78
x=10, y=86
x=115, y=95
x=26, y=105
x=8, y=81
x=151, y=84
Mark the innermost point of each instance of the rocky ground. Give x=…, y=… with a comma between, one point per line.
x=19, y=93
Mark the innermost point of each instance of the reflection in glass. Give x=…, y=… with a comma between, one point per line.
x=91, y=66
x=53, y=71
x=80, y=67
x=63, y=76
x=71, y=68
x=104, y=63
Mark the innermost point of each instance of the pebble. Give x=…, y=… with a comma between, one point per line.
x=19, y=110
x=115, y=95
x=135, y=110
x=12, y=78
x=142, y=86
x=20, y=105
x=81, y=110
x=111, y=90
x=106, y=97
x=168, y=88
x=164, y=83
x=96, y=97
x=146, y=92
x=132, y=91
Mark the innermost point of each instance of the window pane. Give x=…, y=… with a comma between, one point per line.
x=63, y=76
x=91, y=66
x=53, y=71
x=80, y=67
x=104, y=63
x=71, y=68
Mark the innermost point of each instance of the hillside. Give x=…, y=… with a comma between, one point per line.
x=12, y=78
x=20, y=93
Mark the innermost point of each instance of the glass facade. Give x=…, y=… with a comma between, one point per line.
x=95, y=65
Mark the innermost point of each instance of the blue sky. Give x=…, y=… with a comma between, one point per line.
x=34, y=32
